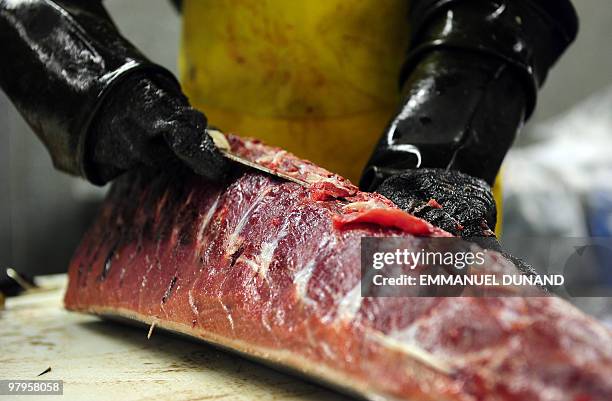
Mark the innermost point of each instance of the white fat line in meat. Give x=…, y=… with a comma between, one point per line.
x=327, y=350
x=266, y=324
x=258, y=267
x=197, y=274
x=301, y=280
x=267, y=253
x=252, y=264
x=412, y=350
x=192, y=304
x=188, y=200
x=407, y=334
x=350, y=304
x=261, y=263
x=233, y=242
x=302, y=277
x=407, y=337
x=228, y=314
x=207, y=219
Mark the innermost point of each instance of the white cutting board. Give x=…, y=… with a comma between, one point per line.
x=100, y=360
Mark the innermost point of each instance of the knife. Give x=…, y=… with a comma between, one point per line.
x=224, y=147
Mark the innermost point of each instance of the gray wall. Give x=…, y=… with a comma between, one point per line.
x=585, y=68
x=43, y=212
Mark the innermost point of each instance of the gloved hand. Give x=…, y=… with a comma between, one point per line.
x=453, y=201
x=456, y=202
x=148, y=121
x=469, y=83
x=97, y=103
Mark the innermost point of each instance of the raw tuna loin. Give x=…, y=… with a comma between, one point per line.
x=271, y=269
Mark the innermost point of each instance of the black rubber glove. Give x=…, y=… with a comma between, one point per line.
x=96, y=102
x=470, y=81
x=148, y=121
x=456, y=202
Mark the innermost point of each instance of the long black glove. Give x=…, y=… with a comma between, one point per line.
x=470, y=81
x=149, y=121
x=96, y=102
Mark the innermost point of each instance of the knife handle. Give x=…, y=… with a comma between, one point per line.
x=219, y=139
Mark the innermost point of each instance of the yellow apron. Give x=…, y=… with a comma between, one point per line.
x=315, y=77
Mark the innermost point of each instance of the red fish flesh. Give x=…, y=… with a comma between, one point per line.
x=271, y=269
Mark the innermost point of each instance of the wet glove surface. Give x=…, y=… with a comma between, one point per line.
x=456, y=202
x=96, y=102
x=148, y=121
x=469, y=81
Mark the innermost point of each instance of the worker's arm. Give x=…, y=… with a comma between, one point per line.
x=469, y=83
x=98, y=104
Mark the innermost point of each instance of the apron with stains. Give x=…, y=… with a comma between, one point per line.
x=316, y=77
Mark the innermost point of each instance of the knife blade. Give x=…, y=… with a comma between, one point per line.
x=224, y=147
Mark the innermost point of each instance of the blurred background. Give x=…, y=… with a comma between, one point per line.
x=558, y=176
